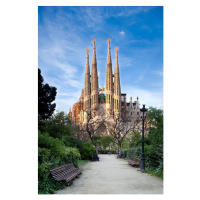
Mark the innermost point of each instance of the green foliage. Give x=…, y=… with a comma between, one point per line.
x=156, y=118
x=73, y=153
x=87, y=151
x=157, y=172
x=49, y=186
x=44, y=163
x=155, y=136
x=153, y=147
x=107, y=141
x=133, y=152
x=73, y=142
x=46, y=95
x=56, y=146
x=125, y=143
x=57, y=126
x=139, y=141
x=133, y=137
x=52, y=152
x=96, y=139
x=105, y=151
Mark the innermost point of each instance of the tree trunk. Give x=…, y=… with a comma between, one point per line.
x=96, y=150
x=119, y=148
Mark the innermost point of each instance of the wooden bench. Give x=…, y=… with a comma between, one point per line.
x=135, y=162
x=65, y=172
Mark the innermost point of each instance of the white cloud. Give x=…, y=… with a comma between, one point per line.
x=149, y=98
x=122, y=33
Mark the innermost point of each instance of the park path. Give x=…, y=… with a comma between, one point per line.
x=113, y=176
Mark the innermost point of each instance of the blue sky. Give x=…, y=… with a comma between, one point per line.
x=64, y=33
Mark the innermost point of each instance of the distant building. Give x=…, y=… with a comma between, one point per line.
x=108, y=101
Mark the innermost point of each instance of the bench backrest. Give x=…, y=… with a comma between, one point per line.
x=69, y=167
x=62, y=170
x=136, y=160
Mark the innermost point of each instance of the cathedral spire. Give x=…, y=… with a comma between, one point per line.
x=109, y=55
x=94, y=60
x=87, y=67
x=109, y=83
x=116, y=61
x=117, y=87
x=94, y=80
x=87, y=85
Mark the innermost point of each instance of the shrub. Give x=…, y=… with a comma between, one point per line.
x=74, y=154
x=56, y=146
x=73, y=142
x=51, y=153
x=87, y=151
x=153, y=156
x=105, y=151
x=46, y=184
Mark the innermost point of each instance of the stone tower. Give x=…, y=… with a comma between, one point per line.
x=117, y=88
x=94, y=80
x=109, y=83
x=87, y=88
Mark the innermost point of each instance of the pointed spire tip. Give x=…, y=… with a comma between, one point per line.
x=94, y=41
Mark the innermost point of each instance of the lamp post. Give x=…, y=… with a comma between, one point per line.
x=143, y=117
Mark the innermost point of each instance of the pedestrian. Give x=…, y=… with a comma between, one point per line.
x=96, y=156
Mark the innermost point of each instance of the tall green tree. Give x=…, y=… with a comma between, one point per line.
x=57, y=125
x=155, y=137
x=46, y=96
x=155, y=118
x=156, y=126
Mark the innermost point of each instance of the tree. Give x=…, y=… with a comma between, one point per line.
x=93, y=124
x=46, y=95
x=133, y=137
x=78, y=132
x=57, y=126
x=119, y=127
x=155, y=136
x=155, y=118
x=107, y=141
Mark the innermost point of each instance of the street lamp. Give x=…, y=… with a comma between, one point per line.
x=143, y=117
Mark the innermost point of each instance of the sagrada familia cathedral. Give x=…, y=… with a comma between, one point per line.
x=108, y=101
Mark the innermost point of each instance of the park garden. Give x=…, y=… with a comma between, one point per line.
x=60, y=141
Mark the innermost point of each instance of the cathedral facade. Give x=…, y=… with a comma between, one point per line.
x=108, y=100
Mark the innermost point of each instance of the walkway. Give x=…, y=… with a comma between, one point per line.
x=113, y=176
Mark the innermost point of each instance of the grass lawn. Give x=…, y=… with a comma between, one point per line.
x=154, y=173
x=82, y=162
